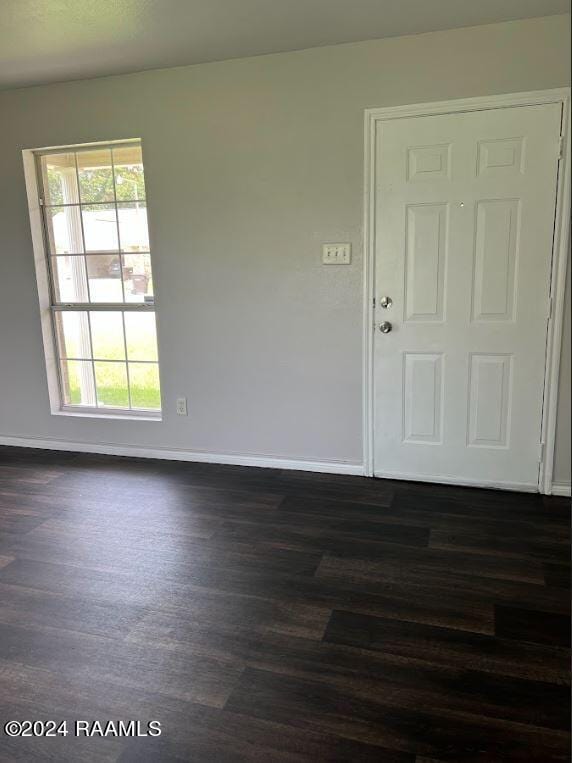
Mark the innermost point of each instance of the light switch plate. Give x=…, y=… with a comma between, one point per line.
x=336, y=254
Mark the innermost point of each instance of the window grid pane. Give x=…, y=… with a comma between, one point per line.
x=104, y=278
x=59, y=178
x=73, y=335
x=129, y=175
x=64, y=229
x=119, y=380
x=111, y=385
x=137, y=277
x=95, y=205
x=132, y=220
x=107, y=336
x=125, y=352
x=100, y=230
x=95, y=176
x=69, y=279
x=131, y=269
x=144, y=386
x=95, y=217
x=78, y=385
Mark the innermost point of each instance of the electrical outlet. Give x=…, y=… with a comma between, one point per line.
x=336, y=254
x=181, y=406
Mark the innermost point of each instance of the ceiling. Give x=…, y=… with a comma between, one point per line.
x=57, y=40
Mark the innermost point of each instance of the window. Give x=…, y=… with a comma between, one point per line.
x=102, y=310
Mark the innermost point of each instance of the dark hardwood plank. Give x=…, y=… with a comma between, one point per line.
x=557, y=575
x=449, y=647
x=42, y=609
x=236, y=737
x=266, y=615
x=530, y=625
x=209, y=613
x=412, y=682
x=388, y=563
x=140, y=667
x=355, y=538
x=508, y=545
x=375, y=719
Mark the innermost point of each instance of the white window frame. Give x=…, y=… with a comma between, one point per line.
x=48, y=308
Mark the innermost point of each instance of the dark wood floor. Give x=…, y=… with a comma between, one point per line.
x=262, y=615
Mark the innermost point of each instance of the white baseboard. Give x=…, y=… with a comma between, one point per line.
x=235, y=459
x=447, y=479
x=561, y=488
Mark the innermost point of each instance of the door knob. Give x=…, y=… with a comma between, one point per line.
x=385, y=327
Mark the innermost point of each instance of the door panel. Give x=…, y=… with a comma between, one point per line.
x=489, y=400
x=425, y=254
x=464, y=215
x=496, y=251
x=422, y=397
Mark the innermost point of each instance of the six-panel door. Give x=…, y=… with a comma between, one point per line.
x=464, y=216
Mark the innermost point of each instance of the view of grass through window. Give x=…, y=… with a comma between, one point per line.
x=112, y=387
x=95, y=216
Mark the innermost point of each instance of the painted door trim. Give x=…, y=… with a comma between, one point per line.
x=561, y=243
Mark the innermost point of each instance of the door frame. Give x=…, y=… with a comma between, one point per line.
x=560, y=247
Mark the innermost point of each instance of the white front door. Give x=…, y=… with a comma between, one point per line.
x=464, y=217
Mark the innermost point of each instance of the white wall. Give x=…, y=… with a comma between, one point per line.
x=562, y=453
x=251, y=164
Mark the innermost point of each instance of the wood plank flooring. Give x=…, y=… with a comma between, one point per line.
x=263, y=615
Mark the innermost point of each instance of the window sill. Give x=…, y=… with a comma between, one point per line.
x=121, y=415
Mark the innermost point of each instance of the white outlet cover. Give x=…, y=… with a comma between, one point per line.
x=336, y=254
x=181, y=406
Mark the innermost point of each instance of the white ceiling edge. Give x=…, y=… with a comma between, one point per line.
x=84, y=39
